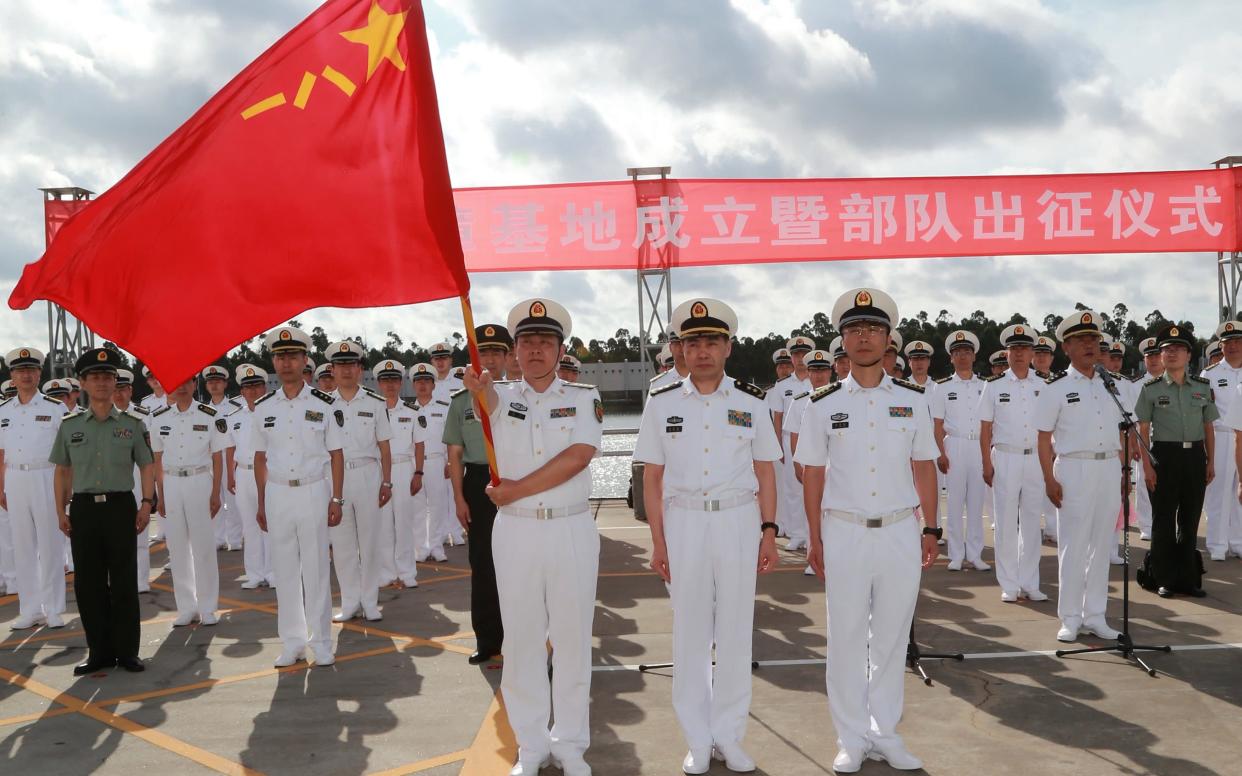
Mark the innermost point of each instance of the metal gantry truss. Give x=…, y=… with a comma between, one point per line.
x=1228, y=266
x=68, y=337
x=655, y=291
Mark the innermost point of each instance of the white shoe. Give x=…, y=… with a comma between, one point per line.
x=847, y=761
x=183, y=620
x=1101, y=629
x=1008, y=597
x=895, y=754
x=208, y=619
x=1115, y=560
x=1035, y=595
x=289, y=657
x=1217, y=558
x=372, y=615
x=144, y=589
x=222, y=546
x=25, y=623
x=808, y=571
x=410, y=583
x=345, y=615
x=695, y=763
x=942, y=543
x=248, y=585
x=438, y=555
x=420, y=558
x=529, y=767
x=323, y=656
x=734, y=757
x=795, y=544
x=978, y=565
x=54, y=620
x=1067, y=634
x=573, y=765
x=954, y=565
x=1144, y=536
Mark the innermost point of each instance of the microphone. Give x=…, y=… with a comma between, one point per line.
x=1104, y=374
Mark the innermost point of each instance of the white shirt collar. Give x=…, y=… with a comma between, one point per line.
x=852, y=386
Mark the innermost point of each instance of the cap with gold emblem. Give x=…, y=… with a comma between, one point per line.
x=1149, y=346
x=1172, y=334
x=999, y=358
x=97, y=360
x=704, y=317
x=7, y=389
x=56, y=388
x=864, y=304
x=571, y=363
x=24, y=357
x=249, y=374
x=1229, y=330
x=665, y=356
x=287, y=339
x=961, y=339
x=1045, y=344
x=1017, y=334
x=1117, y=348
x=918, y=349
x=440, y=350
x=389, y=369
x=837, y=347
x=494, y=336
x=799, y=344
x=894, y=341
x=673, y=336
x=539, y=316
x=781, y=356
x=124, y=378
x=1213, y=349
x=901, y=363
x=309, y=369
x=346, y=352
x=323, y=370
x=422, y=371
x=74, y=385
x=1078, y=324
x=818, y=359
x=215, y=372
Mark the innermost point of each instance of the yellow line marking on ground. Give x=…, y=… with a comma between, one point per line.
x=117, y=722
x=424, y=765
x=37, y=716
x=495, y=747
x=450, y=578
x=53, y=635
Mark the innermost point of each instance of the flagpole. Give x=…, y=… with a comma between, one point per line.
x=485, y=413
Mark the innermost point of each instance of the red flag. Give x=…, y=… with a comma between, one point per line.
x=316, y=177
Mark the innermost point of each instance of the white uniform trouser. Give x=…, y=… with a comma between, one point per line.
x=297, y=524
x=354, y=540
x=37, y=542
x=396, y=528
x=1142, y=499
x=1087, y=521
x=711, y=558
x=188, y=526
x=142, y=543
x=429, y=504
x=872, y=580
x=1220, y=502
x=1018, y=485
x=791, y=513
x=257, y=549
x=965, y=486
x=448, y=526
x=228, y=525
x=8, y=567
x=545, y=575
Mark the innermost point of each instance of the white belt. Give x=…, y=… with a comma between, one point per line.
x=1222, y=429
x=870, y=521
x=713, y=505
x=546, y=513
x=299, y=482
x=435, y=455
x=358, y=464
x=1090, y=456
x=1015, y=449
x=401, y=459
x=247, y=466
x=29, y=467
x=964, y=436
x=186, y=471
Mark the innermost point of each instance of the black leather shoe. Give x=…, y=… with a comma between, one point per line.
x=481, y=656
x=92, y=666
x=1164, y=592
x=132, y=664
x=1198, y=593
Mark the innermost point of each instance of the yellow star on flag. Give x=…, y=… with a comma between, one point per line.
x=380, y=36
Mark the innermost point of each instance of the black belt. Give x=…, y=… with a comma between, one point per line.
x=1178, y=445
x=100, y=498
x=479, y=467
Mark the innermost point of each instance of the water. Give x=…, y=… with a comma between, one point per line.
x=610, y=477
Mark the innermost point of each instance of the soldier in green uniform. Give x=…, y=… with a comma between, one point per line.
x=469, y=473
x=1175, y=413
x=95, y=452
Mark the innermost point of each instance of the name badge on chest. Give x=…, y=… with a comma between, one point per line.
x=840, y=420
x=366, y=414
x=673, y=424
x=1072, y=398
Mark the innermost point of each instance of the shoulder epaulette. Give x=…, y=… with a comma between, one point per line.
x=1201, y=379
x=141, y=410
x=45, y=398
x=373, y=394
x=1135, y=378
x=211, y=411
x=411, y=403
x=266, y=396
x=990, y=378
x=1152, y=381
x=458, y=392
x=442, y=401
x=323, y=397
x=907, y=384
x=1116, y=375
x=1042, y=375
x=9, y=399
x=1213, y=366
x=802, y=395
x=235, y=411
x=665, y=388
x=827, y=390
x=160, y=411
x=579, y=385
x=233, y=400
x=1055, y=376
x=657, y=377
x=750, y=388
x=943, y=380
x=72, y=414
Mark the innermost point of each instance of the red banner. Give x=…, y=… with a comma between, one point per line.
x=695, y=222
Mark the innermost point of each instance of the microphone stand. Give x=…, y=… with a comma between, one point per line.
x=1125, y=645
x=914, y=655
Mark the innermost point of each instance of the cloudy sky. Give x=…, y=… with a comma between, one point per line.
x=542, y=91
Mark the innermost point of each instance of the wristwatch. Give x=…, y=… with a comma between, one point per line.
x=385, y=484
x=340, y=502
x=150, y=501
x=418, y=474
x=776, y=529
x=936, y=532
